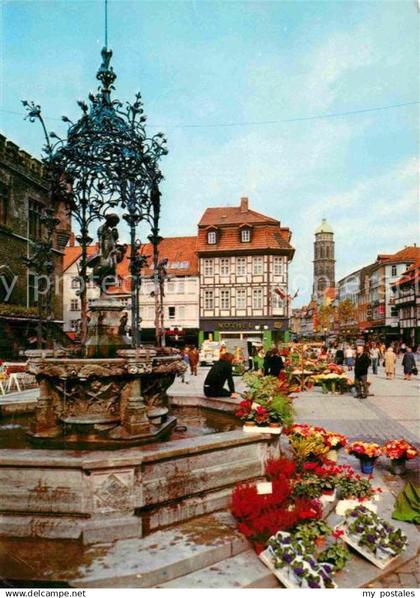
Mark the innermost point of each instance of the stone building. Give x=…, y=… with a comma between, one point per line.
x=23, y=197
x=324, y=260
x=243, y=262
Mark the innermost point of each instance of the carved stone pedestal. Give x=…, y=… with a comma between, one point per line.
x=102, y=403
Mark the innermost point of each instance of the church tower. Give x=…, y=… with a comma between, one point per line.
x=324, y=260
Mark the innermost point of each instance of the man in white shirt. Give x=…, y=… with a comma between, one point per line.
x=374, y=355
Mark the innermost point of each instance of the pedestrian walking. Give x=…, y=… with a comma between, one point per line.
x=186, y=360
x=194, y=359
x=374, y=355
x=339, y=356
x=349, y=358
x=220, y=373
x=361, y=366
x=266, y=366
x=390, y=359
x=274, y=363
x=409, y=363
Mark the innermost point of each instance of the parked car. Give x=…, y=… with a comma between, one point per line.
x=209, y=352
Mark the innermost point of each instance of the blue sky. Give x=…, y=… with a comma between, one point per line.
x=212, y=63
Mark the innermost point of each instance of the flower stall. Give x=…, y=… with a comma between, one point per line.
x=373, y=537
x=289, y=527
x=266, y=406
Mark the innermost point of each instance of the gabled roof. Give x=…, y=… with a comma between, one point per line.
x=267, y=234
x=268, y=237
x=229, y=215
x=72, y=254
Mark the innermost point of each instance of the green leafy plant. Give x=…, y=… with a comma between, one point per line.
x=8, y=309
x=308, y=486
x=266, y=391
x=281, y=410
x=354, y=487
x=374, y=533
x=336, y=554
x=308, y=532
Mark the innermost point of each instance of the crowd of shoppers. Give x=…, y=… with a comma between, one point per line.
x=357, y=357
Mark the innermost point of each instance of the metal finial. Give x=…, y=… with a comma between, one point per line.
x=106, y=23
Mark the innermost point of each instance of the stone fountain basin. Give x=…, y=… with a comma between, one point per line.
x=97, y=496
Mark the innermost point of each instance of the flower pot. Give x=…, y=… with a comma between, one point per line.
x=367, y=464
x=332, y=455
x=274, y=425
x=398, y=466
x=249, y=424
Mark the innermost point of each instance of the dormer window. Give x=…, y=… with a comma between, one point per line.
x=211, y=237
x=245, y=235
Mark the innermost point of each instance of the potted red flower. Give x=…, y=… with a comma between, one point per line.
x=366, y=452
x=399, y=451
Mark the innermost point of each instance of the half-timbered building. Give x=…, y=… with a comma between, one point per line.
x=243, y=262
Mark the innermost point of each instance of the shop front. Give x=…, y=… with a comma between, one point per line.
x=245, y=331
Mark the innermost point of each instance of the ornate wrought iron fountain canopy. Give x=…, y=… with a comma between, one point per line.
x=105, y=162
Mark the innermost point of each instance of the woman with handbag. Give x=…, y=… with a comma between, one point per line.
x=409, y=363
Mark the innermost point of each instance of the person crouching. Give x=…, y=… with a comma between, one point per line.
x=220, y=373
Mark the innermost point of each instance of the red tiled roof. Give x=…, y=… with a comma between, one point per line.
x=229, y=215
x=180, y=251
x=408, y=254
x=269, y=236
x=71, y=254
x=266, y=232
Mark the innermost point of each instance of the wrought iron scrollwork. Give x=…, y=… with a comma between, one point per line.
x=106, y=162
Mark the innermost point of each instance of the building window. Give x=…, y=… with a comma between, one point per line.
x=74, y=324
x=171, y=313
x=225, y=299
x=74, y=305
x=241, y=299
x=75, y=282
x=241, y=266
x=208, y=267
x=257, y=298
x=277, y=301
x=35, y=213
x=258, y=265
x=224, y=266
x=208, y=300
x=180, y=287
x=211, y=237
x=278, y=266
x=245, y=235
x=394, y=271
